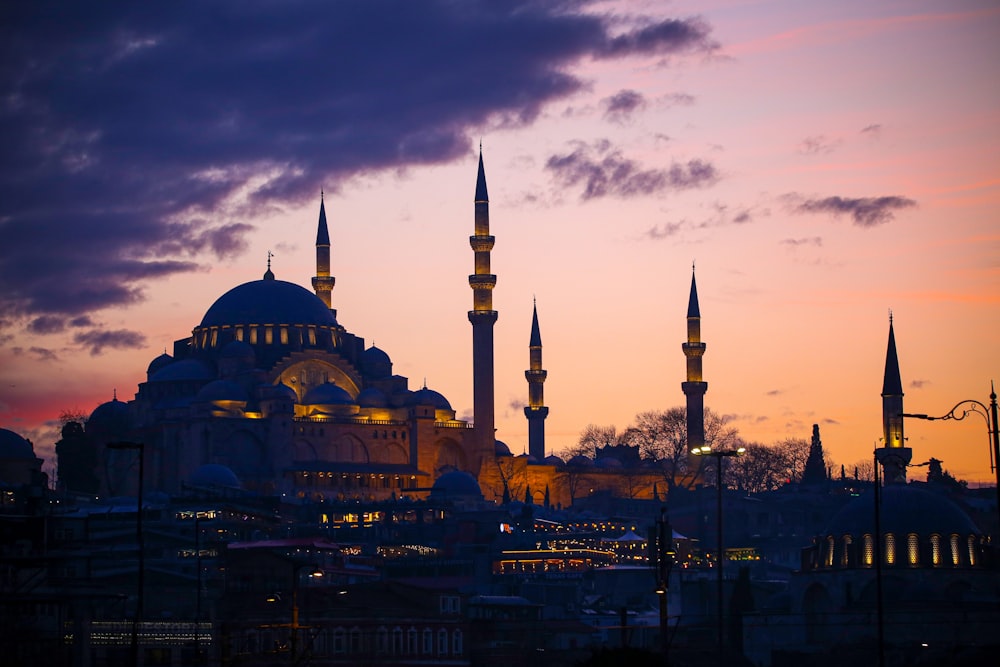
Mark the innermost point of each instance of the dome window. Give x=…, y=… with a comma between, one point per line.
x=828, y=561
x=845, y=555
x=253, y=335
x=869, y=547
x=268, y=335
x=936, y=550
x=913, y=549
x=215, y=337
x=972, y=549
x=890, y=549
x=239, y=334
x=312, y=336
x=956, y=557
x=284, y=335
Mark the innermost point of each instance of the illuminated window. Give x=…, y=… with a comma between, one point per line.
x=956, y=558
x=239, y=334
x=268, y=335
x=913, y=549
x=845, y=555
x=828, y=560
x=890, y=549
x=215, y=337
x=312, y=336
x=972, y=549
x=284, y=335
x=936, y=550
x=869, y=548
x=253, y=335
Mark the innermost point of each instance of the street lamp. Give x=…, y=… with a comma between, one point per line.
x=962, y=410
x=140, y=584
x=706, y=450
x=661, y=552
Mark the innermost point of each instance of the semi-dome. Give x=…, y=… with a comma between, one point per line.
x=160, y=362
x=221, y=390
x=215, y=475
x=456, y=484
x=372, y=397
x=427, y=396
x=268, y=302
x=15, y=448
x=500, y=448
x=183, y=370
x=904, y=509
x=327, y=394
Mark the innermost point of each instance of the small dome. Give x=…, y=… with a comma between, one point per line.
x=327, y=394
x=553, y=460
x=214, y=474
x=427, y=396
x=279, y=390
x=15, y=448
x=183, y=370
x=374, y=355
x=580, y=461
x=160, y=362
x=372, y=397
x=221, y=390
x=111, y=418
x=528, y=458
x=456, y=484
x=608, y=463
x=268, y=302
x=500, y=448
x=238, y=349
x=905, y=509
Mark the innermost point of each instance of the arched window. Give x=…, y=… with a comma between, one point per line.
x=382, y=640
x=890, y=549
x=972, y=549
x=956, y=557
x=428, y=642
x=442, y=642
x=268, y=335
x=845, y=555
x=913, y=549
x=828, y=557
x=869, y=550
x=411, y=641
x=456, y=642
x=936, y=550
x=397, y=640
x=339, y=643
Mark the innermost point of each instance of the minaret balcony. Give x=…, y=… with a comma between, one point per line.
x=482, y=243
x=482, y=281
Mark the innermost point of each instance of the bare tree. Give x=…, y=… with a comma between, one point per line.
x=864, y=470
x=761, y=468
x=795, y=454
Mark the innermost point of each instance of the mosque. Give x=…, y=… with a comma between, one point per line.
x=277, y=397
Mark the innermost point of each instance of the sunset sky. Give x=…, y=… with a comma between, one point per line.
x=821, y=163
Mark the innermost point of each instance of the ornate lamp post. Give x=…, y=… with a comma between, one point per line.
x=140, y=585
x=963, y=409
x=706, y=450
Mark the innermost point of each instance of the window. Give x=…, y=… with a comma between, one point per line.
x=956, y=558
x=339, y=645
x=284, y=335
x=442, y=642
x=890, y=549
x=355, y=640
x=428, y=642
x=253, y=335
x=411, y=641
x=845, y=556
x=397, y=640
x=268, y=335
x=869, y=547
x=936, y=550
x=828, y=561
x=456, y=642
x=913, y=549
x=972, y=549
x=382, y=640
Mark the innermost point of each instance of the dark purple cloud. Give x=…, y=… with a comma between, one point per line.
x=864, y=211
x=98, y=340
x=812, y=240
x=603, y=171
x=129, y=128
x=619, y=107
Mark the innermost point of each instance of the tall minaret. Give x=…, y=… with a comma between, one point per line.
x=894, y=455
x=323, y=282
x=536, y=412
x=694, y=388
x=482, y=317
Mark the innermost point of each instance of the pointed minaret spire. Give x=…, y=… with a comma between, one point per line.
x=694, y=387
x=894, y=454
x=323, y=282
x=482, y=317
x=536, y=412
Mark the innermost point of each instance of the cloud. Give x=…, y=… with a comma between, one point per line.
x=812, y=240
x=774, y=392
x=864, y=211
x=919, y=384
x=43, y=354
x=663, y=231
x=619, y=107
x=122, y=339
x=875, y=129
x=818, y=144
x=603, y=171
x=140, y=140
x=47, y=324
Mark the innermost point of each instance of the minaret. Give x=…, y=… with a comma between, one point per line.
x=323, y=282
x=894, y=455
x=536, y=412
x=694, y=388
x=482, y=317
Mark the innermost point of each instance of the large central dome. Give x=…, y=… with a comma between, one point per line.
x=268, y=302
